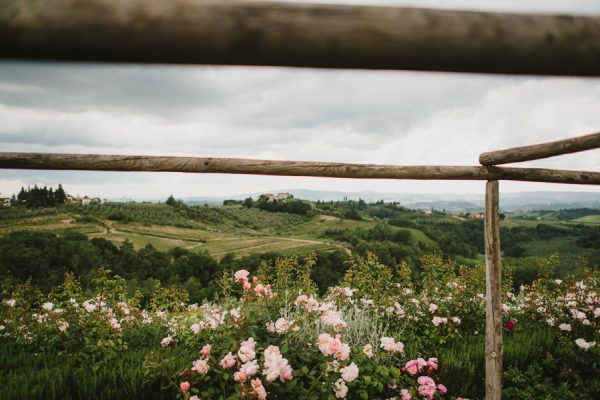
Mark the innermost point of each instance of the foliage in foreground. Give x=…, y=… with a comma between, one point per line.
x=379, y=335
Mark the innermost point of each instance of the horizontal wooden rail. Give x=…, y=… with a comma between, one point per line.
x=103, y=162
x=301, y=35
x=544, y=150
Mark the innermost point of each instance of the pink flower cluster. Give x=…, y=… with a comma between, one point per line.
x=413, y=367
x=275, y=366
x=310, y=303
x=247, y=356
x=428, y=388
x=333, y=346
x=201, y=366
x=391, y=346
x=259, y=288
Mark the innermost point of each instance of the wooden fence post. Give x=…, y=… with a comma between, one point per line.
x=493, y=298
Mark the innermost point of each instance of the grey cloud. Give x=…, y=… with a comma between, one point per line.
x=153, y=90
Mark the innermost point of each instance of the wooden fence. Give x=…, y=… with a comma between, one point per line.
x=320, y=36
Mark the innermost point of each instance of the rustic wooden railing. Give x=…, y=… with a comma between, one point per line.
x=299, y=35
x=237, y=32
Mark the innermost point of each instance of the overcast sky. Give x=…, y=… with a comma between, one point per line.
x=296, y=114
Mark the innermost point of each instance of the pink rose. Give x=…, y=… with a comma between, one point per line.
x=301, y=299
x=184, y=386
x=426, y=380
x=405, y=394
x=200, y=366
x=241, y=275
x=432, y=363
x=228, y=361
x=259, y=389
x=442, y=388
x=205, y=350
x=412, y=367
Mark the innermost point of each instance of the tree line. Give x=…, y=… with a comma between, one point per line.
x=40, y=196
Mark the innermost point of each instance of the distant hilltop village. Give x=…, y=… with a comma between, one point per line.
x=280, y=196
x=46, y=197
x=83, y=200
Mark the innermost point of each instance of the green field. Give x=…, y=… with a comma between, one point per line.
x=218, y=239
x=244, y=231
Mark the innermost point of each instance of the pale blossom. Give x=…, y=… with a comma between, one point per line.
x=282, y=325
x=329, y=345
x=584, y=344
x=341, y=390
x=405, y=394
x=205, y=350
x=250, y=368
x=311, y=304
x=332, y=318
x=349, y=373
x=48, y=306
x=565, y=327
x=166, y=341
x=259, y=389
x=246, y=352
x=228, y=361
x=301, y=299
x=196, y=328
x=200, y=366
x=275, y=366
x=368, y=350
x=432, y=363
x=433, y=308
x=62, y=326
x=241, y=275
x=235, y=312
x=391, y=346
x=10, y=302
x=114, y=323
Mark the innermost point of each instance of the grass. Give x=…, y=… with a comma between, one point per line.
x=54, y=376
x=463, y=366
x=589, y=219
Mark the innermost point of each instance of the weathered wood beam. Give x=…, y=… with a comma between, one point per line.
x=105, y=162
x=544, y=175
x=493, y=294
x=299, y=35
x=543, y=150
